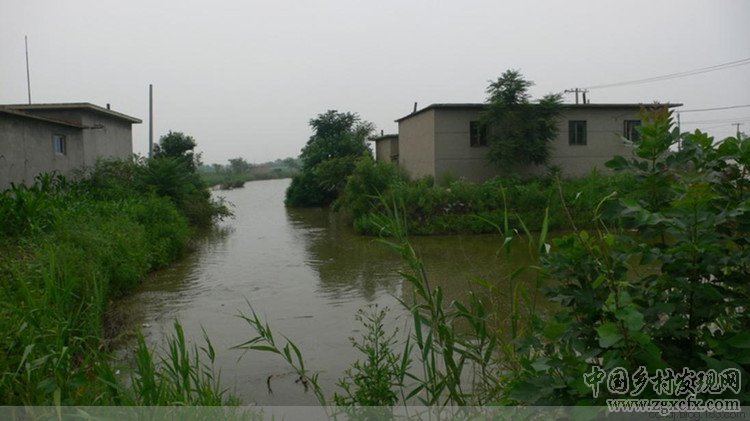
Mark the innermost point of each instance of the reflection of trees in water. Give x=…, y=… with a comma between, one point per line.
x=347, y=264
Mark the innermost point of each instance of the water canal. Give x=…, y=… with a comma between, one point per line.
x=308, y=274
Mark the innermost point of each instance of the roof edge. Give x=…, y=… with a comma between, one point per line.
x=4, y=109
x=75, y=105
x=582, y=106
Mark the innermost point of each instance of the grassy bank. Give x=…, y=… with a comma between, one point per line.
x=70, y=248
x=459, y=207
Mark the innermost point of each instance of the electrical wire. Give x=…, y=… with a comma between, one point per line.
x=713, y=68
x=714, y=109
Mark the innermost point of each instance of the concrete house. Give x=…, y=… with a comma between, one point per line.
x=38, y=138
x=445, y=139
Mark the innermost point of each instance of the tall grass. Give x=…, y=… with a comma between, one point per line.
x=67, y=250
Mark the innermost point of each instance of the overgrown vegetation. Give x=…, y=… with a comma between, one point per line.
x=658, y=281
x=328, y=158
x=457, y=206
x=68, y=248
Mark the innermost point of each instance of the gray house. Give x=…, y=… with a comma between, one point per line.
x=38, y=138
x=445, y=139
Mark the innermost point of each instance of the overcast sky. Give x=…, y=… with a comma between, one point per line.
x=245, y=77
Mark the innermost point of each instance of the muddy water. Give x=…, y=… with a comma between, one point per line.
x=308, y=274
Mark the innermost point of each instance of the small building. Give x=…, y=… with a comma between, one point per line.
x=386, y=148
x=39, y=138
x=443, y=139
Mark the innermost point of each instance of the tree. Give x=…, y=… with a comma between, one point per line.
x=329, y=156
x=180, y=146
x=239, y=166
x=519, y=130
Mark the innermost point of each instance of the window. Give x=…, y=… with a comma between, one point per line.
x=630, y=132
x=58, y=142
x=577, y=132
x=477, y=134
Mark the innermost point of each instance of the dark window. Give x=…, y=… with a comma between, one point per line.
x=477, y=134
x=577, y=132
x=58, y=142
x=630, y=131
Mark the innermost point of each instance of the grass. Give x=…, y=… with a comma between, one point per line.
x=68, y=249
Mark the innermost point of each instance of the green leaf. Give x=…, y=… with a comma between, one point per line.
x=741, y=340
x=554, y=330
x=632, y=318
x=609, y=334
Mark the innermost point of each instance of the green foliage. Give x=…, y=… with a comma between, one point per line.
x=367, y=182
x=464, y=207
x=179, y=146
x=329, y=156
x=673, y=296
x=520, y=131
x=67, y=250
x=375, y=381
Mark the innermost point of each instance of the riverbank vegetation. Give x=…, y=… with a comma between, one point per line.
x=657, y=282
x=459, y=207
x=68, y=249
x=239, y=171
x=328, y=158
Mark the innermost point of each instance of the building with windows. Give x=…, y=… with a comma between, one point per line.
x=443, y=139
x=39, y=138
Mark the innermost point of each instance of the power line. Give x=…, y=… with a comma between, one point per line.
x=714, y=109
x=713, y=68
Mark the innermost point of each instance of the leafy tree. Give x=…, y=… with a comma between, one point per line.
x=519, y=130
x=329, y=156
x=178, y=145
x=239, y=165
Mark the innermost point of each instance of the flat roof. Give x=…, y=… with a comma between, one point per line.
x=480, y=106
x=6, y=110
x=75, y=106
x=383, y=137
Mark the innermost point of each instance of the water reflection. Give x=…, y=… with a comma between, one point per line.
x=347, y=265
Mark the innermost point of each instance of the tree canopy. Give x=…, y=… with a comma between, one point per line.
x=330, y=155
x=177, y=145
x=519, y=130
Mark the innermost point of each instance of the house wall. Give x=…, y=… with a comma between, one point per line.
x=416, y=144
x=604, y=130
x=453, y=153
x=114, y=140
x=386, y=149
x=27, y=149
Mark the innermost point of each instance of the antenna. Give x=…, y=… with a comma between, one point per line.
x=28, y=78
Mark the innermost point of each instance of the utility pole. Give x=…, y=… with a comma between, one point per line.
x=28, y=78
x=577, y=91
x=738, y=128
x=150, y=120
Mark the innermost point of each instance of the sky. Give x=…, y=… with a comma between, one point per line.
x=244, y=78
